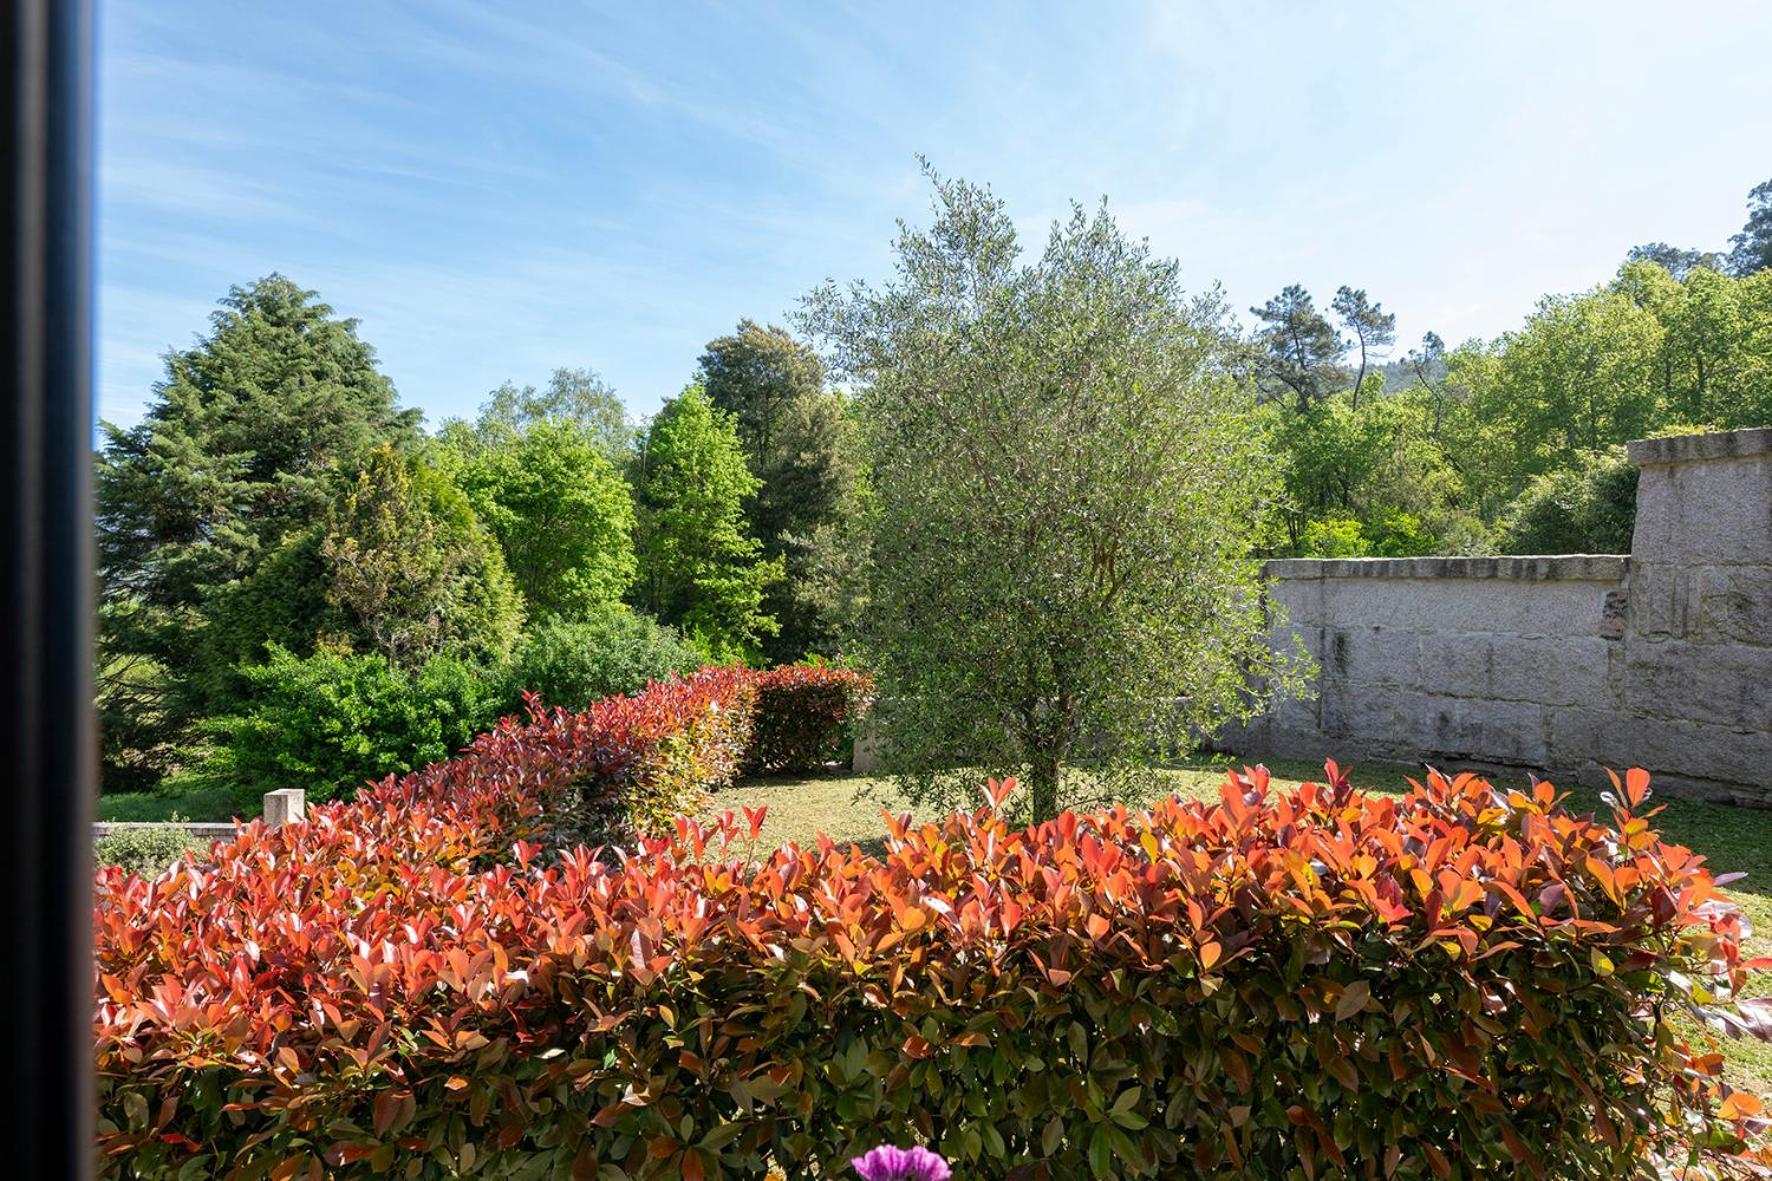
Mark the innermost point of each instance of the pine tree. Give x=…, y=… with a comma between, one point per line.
x=248, y=439
x=1299, y=351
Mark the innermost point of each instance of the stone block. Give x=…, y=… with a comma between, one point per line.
x=1297, y=712
x=1660, y=600
x=1666, y=746
x=1711, y=511
x=1299, y=600
x=1689, y=449
x=1457, y=664
x=1507, y=606
x=1360, y=711
x=1723, y=685
x=1310, y=745
x=285, y=806
x=864, y=755
x=1561, y=671
x=1416, y=726
x=1292, y=637
x=1371, y=655
x=1511, y=732
x=1734, y=605
x=1542, y=669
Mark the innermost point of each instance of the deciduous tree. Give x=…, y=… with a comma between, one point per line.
x=799, y=442
x=701, y=569
x=559, y=508
x=578, y=396
x=1675, y=260
x=1069, y=483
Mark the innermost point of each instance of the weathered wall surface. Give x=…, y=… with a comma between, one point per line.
x=1563, y=665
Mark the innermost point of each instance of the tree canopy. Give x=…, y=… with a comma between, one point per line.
x=799, y=441
x=1373, y=329
x=1298, y=352
x=576, y=396
x=701, y=569
x=1067, y=490
x=409, y=570
x=248, y=438
x=1434, y=459
x=559, y=508
x=1751, y=249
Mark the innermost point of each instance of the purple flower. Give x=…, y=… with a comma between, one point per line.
x=887, y=1163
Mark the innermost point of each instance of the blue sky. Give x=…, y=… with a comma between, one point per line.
x=497, y=189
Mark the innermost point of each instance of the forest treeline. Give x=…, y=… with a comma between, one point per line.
x=300, y=585
x=1513, y=445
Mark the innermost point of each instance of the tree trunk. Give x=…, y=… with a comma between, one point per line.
x=1049, y=740
x=1043, y=771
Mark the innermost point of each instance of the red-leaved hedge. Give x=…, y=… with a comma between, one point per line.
x=803, y=713
x=1461, y=982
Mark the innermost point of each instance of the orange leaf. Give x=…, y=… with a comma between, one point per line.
x=1739, y=1105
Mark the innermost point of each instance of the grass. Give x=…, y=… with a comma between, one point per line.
x=848, y=808
x=211, y=804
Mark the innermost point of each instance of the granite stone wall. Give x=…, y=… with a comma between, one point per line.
x=1561, y=665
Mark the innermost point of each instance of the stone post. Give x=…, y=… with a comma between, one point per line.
x=865, y=758
x=285, y=806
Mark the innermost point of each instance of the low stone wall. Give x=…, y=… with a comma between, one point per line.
x=197, y=830
x=280, y=807
x=1561, y=665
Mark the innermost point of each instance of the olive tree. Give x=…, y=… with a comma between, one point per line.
x=1067, y=485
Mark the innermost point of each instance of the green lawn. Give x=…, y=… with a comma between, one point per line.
x=212, y=805
x=848, y=808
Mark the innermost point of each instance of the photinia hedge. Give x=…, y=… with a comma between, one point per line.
x=1461, y=982
x=803, y=712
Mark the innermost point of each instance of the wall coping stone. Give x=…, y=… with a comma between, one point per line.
x=1697, y=448
x=210, y=830
x=1558, y=568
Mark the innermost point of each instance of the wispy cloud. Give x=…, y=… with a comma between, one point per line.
x=496, y=190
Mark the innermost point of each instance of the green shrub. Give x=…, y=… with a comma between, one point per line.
x=1334, y=537
x=612, y=649
x=329, y=722
x=1396, y=535
x=1400, y=535
x=1587, y=509
x=1461, y=983
x=145, y=851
